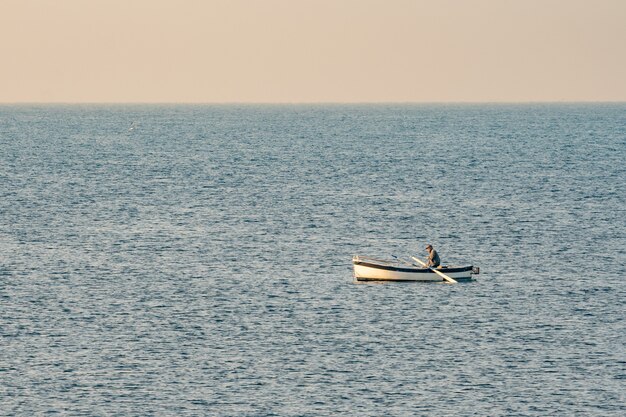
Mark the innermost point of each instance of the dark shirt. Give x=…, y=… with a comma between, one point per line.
x=433, y=259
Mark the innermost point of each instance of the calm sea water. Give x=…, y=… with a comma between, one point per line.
x=195, y=260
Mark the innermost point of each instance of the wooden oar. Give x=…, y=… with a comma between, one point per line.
x=441, y=274
x=402, y=260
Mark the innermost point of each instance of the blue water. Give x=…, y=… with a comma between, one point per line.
x=195, y=260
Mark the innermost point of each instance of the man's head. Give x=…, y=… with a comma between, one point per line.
x=429, y=247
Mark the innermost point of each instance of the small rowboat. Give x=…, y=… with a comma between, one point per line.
x=370, y=269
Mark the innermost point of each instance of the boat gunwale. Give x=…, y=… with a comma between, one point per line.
x=415, y=270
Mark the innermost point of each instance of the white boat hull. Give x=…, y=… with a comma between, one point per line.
x=367, y=269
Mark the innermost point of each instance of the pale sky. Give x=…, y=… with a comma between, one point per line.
x=219, y=51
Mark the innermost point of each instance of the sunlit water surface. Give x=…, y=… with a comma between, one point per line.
x=195, y=260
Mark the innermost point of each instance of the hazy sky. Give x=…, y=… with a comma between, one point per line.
x=312, y=50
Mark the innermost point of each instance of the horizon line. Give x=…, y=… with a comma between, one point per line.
x=305, y=102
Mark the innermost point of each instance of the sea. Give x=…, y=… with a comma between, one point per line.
x=195, y=260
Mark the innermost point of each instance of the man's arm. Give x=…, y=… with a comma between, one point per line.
x=430, y=262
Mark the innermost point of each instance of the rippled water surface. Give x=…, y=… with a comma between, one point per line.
x=195, y=260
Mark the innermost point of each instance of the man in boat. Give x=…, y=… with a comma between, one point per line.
x=433, y=257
